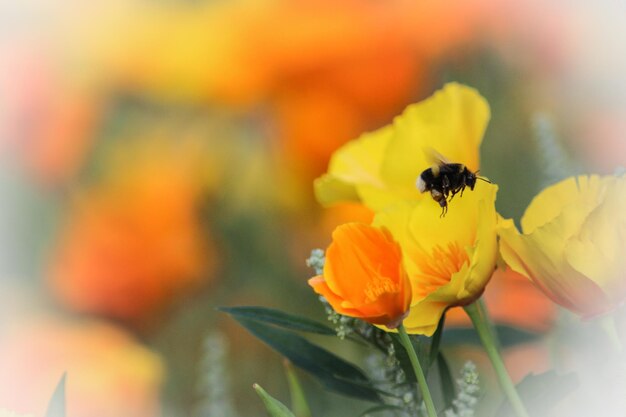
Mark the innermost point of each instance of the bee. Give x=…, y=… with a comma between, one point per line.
x=445, y=179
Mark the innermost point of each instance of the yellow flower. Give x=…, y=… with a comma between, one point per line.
x=382, y=166
x=448, y=260
x=364, y=277
x=573, y=244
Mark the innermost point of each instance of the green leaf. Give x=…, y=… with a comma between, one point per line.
x=279, y=318
x=540, y=393
x=56, y=406
x=436, y=341
x=333, y=372
x=298, y=399
x=448, y=389
x=274, y=407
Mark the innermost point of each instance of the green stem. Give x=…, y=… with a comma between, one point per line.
x=417, y=368
x=482, y=324
x=482, y=308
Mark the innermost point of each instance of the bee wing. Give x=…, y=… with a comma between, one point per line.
x=434, y=158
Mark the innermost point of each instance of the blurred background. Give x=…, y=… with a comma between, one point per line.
x=157, y=158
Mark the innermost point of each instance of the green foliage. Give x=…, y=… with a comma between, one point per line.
x=334, y=373
x=274, y=407
x=298, y=399
x=278, y=318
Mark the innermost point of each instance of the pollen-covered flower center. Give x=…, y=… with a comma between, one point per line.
x=437, y=268
x=379, y=285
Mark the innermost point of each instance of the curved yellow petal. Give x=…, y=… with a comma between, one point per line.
x=548, y=204
x=330, y=189
x=483, y=255
x=355, y=165
x=424, y=318
x=541, y=257
x=509, y=237
x=599, y=249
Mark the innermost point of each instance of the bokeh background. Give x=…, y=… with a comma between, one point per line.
x=157, y=158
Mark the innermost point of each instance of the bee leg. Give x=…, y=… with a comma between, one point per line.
x=446, y=193
x=444, y=208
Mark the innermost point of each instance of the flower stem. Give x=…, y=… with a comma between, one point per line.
x=492, y=328
x=482, y=324
x=417, y=368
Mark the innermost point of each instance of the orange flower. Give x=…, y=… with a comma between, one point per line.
x=364, y=277
x=343, y=68
x=362, y=63
x=135, y=242
x=108, y=373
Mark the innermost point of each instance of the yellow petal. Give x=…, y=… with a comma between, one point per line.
x=483, y=255
x=509, y=236
x=548, y=204
x=423, y=319
x=355, y=165
x=599, y=250
x=540, y=256
x=330, y=189
x=419, y=225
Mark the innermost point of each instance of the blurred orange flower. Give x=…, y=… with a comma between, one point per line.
x=134, y=242
x=343, y=68
x=45, y=122
x=364, y=276
x=193, y=52
x=350, y=67
x=108, y=373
